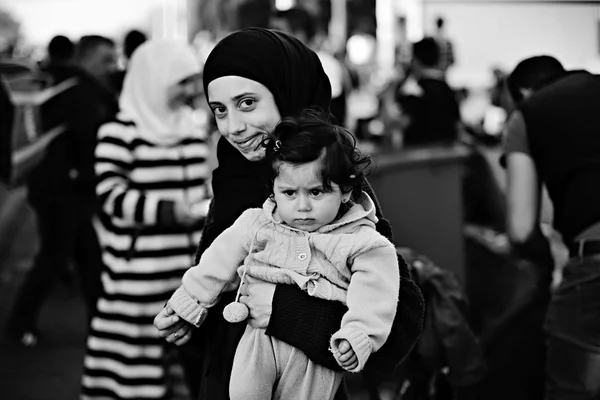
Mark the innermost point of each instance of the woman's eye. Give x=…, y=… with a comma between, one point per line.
x=316, y=192
x=219, y=111
x=247, y=104
x=288, y=193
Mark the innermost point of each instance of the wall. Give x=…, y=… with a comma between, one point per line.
x=502, y=33
x=42, y=19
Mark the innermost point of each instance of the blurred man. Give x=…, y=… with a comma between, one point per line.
x=61, y=188
x=60, y=62
x=133, y=39
x=429, y=106
x=299, y=23
x=6, y=128
x=445, y=45
x=97, y=57
x=552, y=139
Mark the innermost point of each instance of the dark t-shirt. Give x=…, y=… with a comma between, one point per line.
x=433, y=113
x=558, y=128
x=69, y=160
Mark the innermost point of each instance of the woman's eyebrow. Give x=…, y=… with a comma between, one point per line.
x=235, y=98
x=241, y=95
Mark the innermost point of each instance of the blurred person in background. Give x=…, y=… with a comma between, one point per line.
x=299, y=23
x=133, y=40
x=10, y=33
x=446, y=59
x=152, y=173
x=97, y=57
x=61, y=189
x=60, y=61
x=7, y=110
x=429, y=109
x=552, y=139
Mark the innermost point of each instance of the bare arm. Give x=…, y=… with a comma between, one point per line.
x=522, y=183
x=522, y=197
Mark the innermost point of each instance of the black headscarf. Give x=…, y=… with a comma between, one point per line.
x=294, y=75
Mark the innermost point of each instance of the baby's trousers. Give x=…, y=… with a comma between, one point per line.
x=266, y=368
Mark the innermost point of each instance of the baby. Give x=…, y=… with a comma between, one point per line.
x=316, y=230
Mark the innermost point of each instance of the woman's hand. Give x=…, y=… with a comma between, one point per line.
x=186, y=213
x=182, y=335
x=172, y=328
x=258, y=296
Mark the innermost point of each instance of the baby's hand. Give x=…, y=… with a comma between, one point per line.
x=346, y=356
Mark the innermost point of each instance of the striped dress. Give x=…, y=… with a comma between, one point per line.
x=144, y=258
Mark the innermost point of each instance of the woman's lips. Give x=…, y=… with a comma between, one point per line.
x=247, y=143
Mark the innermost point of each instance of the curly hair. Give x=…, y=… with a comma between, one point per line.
x=313, y=135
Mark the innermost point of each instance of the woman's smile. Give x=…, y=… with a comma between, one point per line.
x=248, y=143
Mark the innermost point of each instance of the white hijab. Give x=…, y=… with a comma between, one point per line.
x=154, y=67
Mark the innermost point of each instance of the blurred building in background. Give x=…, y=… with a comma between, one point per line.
x=487, y=33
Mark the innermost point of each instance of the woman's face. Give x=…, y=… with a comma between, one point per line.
x=185, y=92
x=245, y=111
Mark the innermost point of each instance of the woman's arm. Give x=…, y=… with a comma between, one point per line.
x=306, y=323
x=113, y=166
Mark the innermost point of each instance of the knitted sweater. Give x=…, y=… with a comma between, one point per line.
x=347, y=261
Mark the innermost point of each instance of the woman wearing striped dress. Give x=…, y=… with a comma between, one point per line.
x=152, y=170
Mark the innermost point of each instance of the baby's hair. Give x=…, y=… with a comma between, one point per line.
x=312, y=135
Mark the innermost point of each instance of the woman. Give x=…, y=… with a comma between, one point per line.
x=252, y=79
x=151, y=170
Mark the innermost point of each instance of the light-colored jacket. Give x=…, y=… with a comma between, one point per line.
x=347, y=260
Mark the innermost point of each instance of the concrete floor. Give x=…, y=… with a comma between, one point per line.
x=52, y=369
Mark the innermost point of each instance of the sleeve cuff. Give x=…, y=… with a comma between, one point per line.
x=187, y=308
x=360, y=344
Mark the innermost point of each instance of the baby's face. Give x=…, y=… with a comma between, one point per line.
x=302, y=202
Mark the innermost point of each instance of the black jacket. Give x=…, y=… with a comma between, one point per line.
x=69, y=161
x=6, y=125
